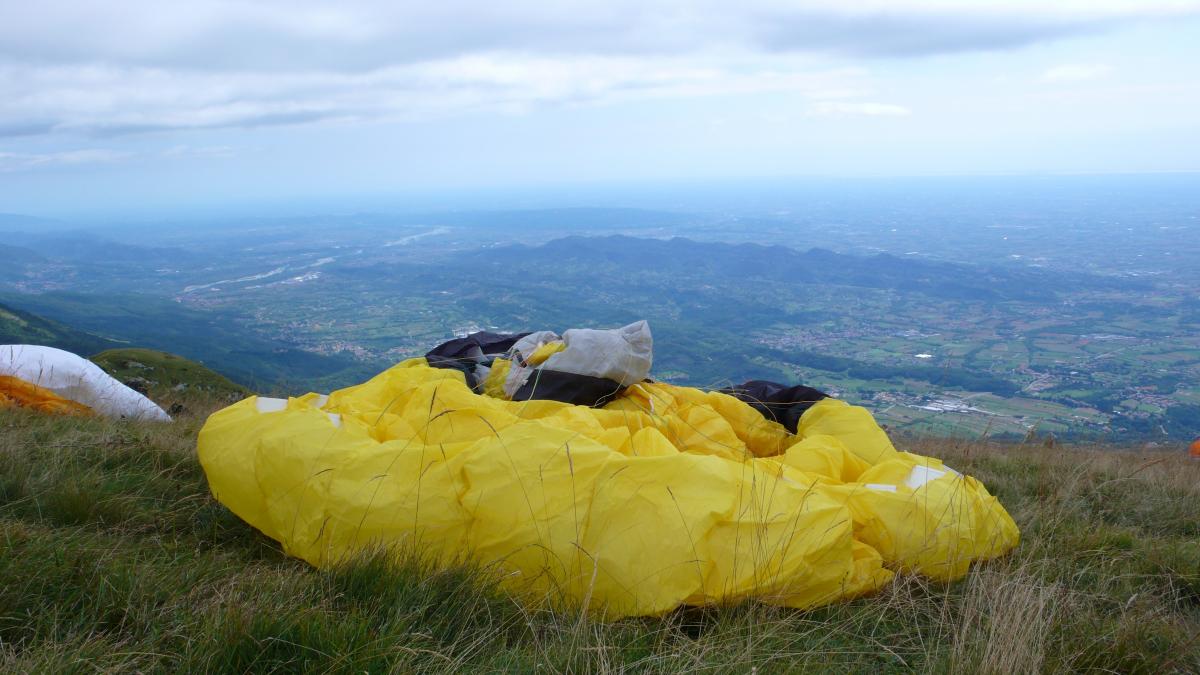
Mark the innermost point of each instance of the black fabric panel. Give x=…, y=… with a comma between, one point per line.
x=465, y=352
x=555, y=385
x=777, y=402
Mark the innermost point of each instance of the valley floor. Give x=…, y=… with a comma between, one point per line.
x=115, y=557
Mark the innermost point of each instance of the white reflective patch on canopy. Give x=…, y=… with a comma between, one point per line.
x=921, y=475
x=269, y=405
x=882, y=487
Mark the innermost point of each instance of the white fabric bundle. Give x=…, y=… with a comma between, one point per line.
x=623, y=355
x=74, y=377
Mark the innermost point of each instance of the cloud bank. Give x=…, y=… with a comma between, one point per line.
x=123, y=67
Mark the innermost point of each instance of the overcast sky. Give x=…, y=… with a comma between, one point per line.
x=130, y=104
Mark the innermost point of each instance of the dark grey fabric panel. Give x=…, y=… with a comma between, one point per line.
x=569, y=388
x=466, y=352
x=777, y=402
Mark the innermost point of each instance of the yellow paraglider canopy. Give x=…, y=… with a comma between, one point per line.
x=660, y=497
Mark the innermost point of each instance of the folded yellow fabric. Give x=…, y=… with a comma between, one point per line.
x=667, y=496
x=17, y=392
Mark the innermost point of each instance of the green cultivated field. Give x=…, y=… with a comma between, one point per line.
x=115, y=558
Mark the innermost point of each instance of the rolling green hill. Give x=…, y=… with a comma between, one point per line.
x=219, y=339
x=149, y=369
x=21, y=327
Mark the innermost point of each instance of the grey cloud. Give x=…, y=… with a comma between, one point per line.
x=246, y=121
x=18, y=128
x=124, y=67
x=364, y=35
x=112, y=101
x=895, y=34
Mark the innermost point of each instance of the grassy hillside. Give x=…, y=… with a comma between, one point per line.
x=20, y=327
x=162, y=370
x=115, y=558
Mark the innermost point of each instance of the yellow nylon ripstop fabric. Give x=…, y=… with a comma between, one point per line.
x=17, y=392
x=667, y=496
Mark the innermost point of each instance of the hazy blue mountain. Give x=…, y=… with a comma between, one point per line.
x=19, y=255
x=775, y=263
x=17, y=221
x=83, y=246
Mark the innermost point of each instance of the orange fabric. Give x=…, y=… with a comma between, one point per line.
x=17, y=392
x=1196, y=448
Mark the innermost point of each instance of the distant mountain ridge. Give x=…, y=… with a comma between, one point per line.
x=81, y=246
x=690, y=258
x=20, y=220
x=19, y=255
